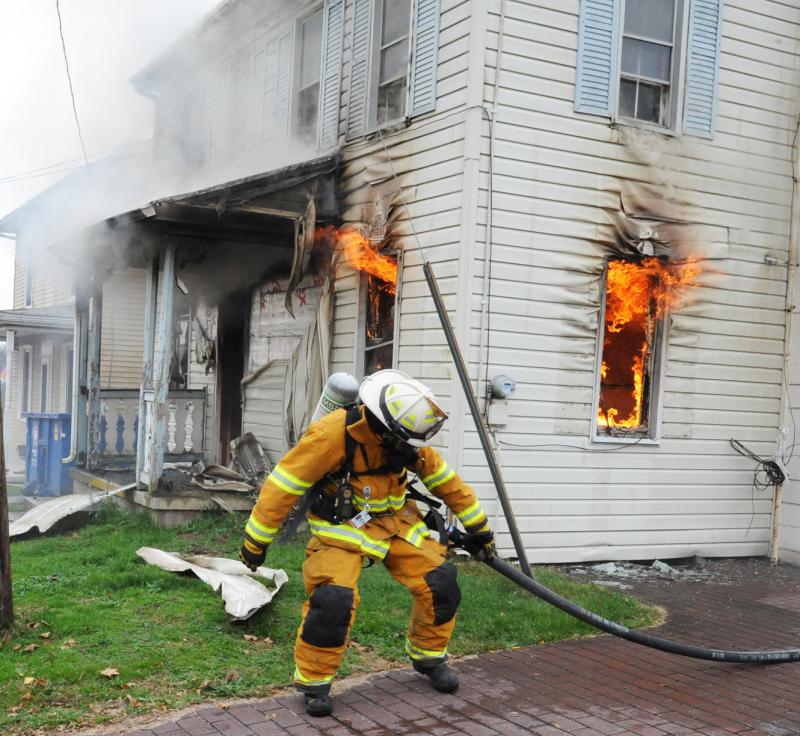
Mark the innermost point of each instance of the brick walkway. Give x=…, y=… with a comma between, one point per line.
x=601, y=685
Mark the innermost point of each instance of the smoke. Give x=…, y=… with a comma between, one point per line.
x=128, y=58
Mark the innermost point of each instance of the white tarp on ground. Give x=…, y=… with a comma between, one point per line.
x=242, y=594
x=46, y=514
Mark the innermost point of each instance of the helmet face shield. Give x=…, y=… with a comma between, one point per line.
x=416, y=424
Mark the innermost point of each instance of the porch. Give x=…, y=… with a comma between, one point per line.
x=204, y=261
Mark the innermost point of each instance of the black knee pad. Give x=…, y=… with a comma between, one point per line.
x=328, y=617
x=446, y=593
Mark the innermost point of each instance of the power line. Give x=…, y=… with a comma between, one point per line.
x=69, y=79
x=24, y=174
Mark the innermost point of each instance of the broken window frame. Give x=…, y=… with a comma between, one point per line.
x=309, y=136
x=653, y=390
x=670, y=113
x=361, y=319
x=377, y=50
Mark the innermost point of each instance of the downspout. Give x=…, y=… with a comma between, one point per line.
x=473, y=130
x=791, y=279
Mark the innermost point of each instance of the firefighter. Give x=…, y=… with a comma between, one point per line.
x=357, y=464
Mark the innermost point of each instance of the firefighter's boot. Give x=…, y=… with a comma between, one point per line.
x=441, y=676
x=318, y=705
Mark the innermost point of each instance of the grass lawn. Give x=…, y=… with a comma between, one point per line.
x=84, y=603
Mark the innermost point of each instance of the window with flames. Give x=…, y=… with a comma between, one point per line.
x=378, y=268
x=637, y=297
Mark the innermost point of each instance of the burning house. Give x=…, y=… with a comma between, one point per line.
x=604, y=189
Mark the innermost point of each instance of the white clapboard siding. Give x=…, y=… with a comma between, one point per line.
x=428, y=161
x=263, y=409
x=557, y=173
x=123, y=329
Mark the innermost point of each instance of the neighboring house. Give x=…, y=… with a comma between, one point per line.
x=38, y=337
x=535, y=153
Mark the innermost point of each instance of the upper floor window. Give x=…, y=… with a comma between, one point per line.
x=309, y=72
x=27, y=293
x=649, y=62
x=394, y=66
x=653, y=62
x=390, y=56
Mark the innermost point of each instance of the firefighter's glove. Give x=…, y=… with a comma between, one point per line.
x=480, y=543
x=252, y=555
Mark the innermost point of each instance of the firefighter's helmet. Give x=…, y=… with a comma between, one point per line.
x=406, y=407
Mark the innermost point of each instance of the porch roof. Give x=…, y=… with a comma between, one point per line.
x=37, y=320
x=54, y=216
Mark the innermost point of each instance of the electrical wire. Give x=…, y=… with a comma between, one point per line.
x=54, y=168
x=767, y=474
x=69, y=79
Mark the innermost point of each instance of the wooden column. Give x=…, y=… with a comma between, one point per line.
x=156, y=431
x=146, y=388
x=80, y=344
x=93, y=376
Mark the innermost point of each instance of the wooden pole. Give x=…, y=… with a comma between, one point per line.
x=6, y=597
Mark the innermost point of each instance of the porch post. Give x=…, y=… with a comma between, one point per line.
x=93, y=377
x=157, y=419
x=80, y=344
x=146, y=388
x=10, y=346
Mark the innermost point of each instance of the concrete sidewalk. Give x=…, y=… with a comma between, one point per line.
x=601, y=685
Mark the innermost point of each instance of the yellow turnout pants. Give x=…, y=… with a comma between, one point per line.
x=331, y=577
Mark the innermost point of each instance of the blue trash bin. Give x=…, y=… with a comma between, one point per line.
x=48, y=444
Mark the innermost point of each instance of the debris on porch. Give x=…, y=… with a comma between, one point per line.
x=177, y=500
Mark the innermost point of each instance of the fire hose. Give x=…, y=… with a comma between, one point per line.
x=460, y=539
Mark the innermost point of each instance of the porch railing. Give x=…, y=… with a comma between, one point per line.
x=119, y=424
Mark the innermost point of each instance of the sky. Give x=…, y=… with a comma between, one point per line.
x=107, y=41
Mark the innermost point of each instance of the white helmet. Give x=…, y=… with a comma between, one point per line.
x=406, y=407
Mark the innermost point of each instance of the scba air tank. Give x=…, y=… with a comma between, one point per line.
x=340, y=390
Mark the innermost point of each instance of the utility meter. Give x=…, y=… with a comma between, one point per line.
x=502, y=386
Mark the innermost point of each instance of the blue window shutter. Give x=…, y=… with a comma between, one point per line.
x=598, y=34
x=702, y=67
x=331, y=73
x=425, y=61
x=359, y=69
x=284, y=82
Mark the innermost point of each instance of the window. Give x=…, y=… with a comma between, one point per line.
x=45, y=376
x=380, y=298
x=391, y=48
x=28, y=288
x=630, y=351
x=309, y=68
x=649, y=61
x=25, y=388
x=395, y=62
x=653, y=62
x=67, y=369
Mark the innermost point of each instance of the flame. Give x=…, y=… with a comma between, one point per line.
x=638, y=294
x=362, y=256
